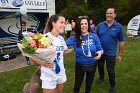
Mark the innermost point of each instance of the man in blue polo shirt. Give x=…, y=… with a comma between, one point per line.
x=110, y=32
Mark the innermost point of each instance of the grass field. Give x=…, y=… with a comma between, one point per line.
x=127, y=74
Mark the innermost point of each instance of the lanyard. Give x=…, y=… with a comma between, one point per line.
x=89, y=53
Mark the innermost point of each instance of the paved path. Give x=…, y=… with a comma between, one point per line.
x=16, y=63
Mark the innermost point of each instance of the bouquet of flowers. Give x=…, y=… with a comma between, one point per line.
x=37, y=45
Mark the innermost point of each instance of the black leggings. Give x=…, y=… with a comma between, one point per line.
x=79, y=76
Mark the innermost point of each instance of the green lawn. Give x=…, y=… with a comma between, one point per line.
x=127, y=74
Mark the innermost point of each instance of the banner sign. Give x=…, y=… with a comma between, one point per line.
x=10, y=25
x=29, y=4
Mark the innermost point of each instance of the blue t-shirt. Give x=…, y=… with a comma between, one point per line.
x=109, y=36
x=94, y=44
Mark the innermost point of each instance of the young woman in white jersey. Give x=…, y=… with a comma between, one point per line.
x=53, y=82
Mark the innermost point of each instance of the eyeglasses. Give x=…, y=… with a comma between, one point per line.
x=82, y=16
x=23, y=25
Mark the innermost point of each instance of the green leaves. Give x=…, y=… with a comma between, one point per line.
x=29, y=50
x=24, y=43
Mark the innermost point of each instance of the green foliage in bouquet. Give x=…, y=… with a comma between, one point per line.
x=32, y=42
x=28, y=49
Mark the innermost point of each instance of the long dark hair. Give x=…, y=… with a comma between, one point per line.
x=52, y=19
x=78, y=30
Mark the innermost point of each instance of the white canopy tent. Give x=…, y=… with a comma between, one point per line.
x=133, y=26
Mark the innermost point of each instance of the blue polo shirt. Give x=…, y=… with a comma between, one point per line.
x=109, y=36
x=94, y=44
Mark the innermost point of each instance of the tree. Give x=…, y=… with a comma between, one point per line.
x=60, y=5
x=74, y=9
x=96, y=9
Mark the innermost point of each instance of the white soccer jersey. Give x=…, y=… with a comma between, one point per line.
x=60, y=45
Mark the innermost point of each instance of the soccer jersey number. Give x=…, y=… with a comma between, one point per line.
x=58, y=55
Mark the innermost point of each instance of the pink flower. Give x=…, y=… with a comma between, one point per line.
x=32, y=42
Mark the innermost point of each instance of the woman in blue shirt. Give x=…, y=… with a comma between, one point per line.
x=88, y=49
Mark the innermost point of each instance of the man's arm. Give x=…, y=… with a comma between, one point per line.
x=121, y=48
